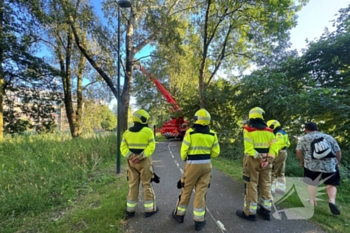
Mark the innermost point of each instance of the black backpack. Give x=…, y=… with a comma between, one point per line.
x=321, y=149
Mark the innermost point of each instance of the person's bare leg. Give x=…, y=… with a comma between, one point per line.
x=332, y=193
x=312, y=193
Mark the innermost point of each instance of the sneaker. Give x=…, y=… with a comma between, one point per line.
x=199, y=225
x=179, y=219
x=240, y=213
x=334, y=208
x=264, y=213
x=149, y=214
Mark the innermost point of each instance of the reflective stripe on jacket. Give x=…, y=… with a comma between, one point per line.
x=203, y=145
x=258, y=141
x=282, y=140
x=142, y=141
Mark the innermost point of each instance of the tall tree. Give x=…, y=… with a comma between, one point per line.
x=59, y=40
x=233, y=32
x=154, y=20
x=20, y=66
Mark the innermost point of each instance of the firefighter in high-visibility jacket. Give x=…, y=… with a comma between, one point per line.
x=137, y=146
x=199, y=146
x=278, y=179
x=260, y=149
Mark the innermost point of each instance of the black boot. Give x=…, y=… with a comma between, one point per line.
x=130, y=214
x=264, y=213
x=149, y=214
x=241, y=214
x=199, y=225
x=179, y=219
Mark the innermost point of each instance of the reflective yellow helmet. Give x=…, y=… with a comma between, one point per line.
x=202, y=117
x=273, y=124
x=256, y=113
x=140, y=116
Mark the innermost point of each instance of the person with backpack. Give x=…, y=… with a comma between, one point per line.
x=320, y=156
x=278, y=179
x=137, y=146
x=199, y=146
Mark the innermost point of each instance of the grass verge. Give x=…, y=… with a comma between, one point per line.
x=322, y=215
x=43, y=173
x=101, y=209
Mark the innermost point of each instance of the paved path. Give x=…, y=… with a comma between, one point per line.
x=224, y=197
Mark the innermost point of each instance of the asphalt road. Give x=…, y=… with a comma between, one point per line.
x=224, y=197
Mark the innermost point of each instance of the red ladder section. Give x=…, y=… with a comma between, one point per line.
x=174, y=106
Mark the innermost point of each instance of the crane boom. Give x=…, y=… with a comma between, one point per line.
x=175, y=107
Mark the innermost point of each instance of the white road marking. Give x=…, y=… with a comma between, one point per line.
x=218, y=223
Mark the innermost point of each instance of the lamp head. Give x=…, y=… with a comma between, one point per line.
x=124, y=3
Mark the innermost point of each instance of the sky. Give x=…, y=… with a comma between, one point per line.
x=313, y=19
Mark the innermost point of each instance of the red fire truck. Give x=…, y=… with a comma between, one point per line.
x=177, y=126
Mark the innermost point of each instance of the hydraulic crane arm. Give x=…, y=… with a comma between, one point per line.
x=175, y=107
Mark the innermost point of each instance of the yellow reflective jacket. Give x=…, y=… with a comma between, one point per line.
x=259, y=141
x=200, y=144
x=138, y=142
x=282, y=140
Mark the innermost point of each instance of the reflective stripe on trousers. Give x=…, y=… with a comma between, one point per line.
x=198, y=214
x=181, y=210
x=252, y=207
x=266, y=204
x=149, y=206
x=131, y=205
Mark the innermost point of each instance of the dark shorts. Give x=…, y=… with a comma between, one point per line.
x=318, y=178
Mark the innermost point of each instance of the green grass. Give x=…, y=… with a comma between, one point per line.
x=322, y=215
x=43, y=172
x=233, y=168
x=101, y=209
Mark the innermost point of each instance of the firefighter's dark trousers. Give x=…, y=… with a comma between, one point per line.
x=195, y=176
x=278, y=179
x=143, y=172
x=256, y=177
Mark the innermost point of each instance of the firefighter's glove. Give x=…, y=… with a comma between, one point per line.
x=179, y=184
x=155, y=178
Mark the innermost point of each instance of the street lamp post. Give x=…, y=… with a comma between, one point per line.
x=121, y=4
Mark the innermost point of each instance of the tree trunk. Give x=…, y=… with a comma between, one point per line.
x=67, y=87
x=129, y=66
x=74, y=117
x=68, y=91
x=201, y=79
x=79, y=111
